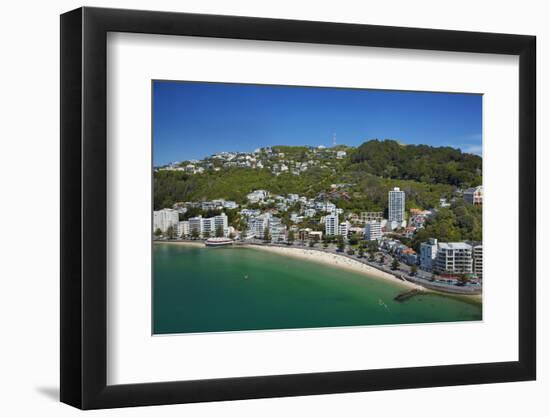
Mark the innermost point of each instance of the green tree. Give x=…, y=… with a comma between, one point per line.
x=219, y=231
x=361, y=252
x=463, y=279
x=171, y=232
x=353, y=239
x=158, y=232
x=414, y=270
x=395, y=264
x=291, y=237
x=382, y=259
x=267, y=236
x=340, y=245
x=195, y=234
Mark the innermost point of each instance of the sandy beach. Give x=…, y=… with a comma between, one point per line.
x=338, y=261
x=198, y=244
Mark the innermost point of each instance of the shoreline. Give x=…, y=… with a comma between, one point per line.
x=338, y=261
x=181, y=243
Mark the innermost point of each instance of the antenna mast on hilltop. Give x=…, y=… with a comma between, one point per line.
x=334, y=139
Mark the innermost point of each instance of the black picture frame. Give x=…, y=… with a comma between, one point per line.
x=84, y=207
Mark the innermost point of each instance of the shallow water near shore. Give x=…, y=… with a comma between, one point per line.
x=199, y=289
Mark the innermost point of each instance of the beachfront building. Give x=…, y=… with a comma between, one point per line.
x=183, y=228
x=195, y=226
x=165, y=218
x=208, y=227
x=257, y=225
x=316, y=235
x=453, y=258
x=474, y=195
x=343, y=229
x=303, y=234
x=367, y=216
x=373, y=230
x=477, y=252
x=396, y=206
x=331, y=225
x=428, y=252
x=277, y=230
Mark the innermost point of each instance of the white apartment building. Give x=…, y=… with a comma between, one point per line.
x=183, y=228
x=206, y=227
x=474, y=195
x=373, y=230
x=428, y=252
x=277, y=230
x=478, y=260
x=257, y=225
x=331, y=225
x=396, y=205
x=195, y=226
x=343, y=228
x=163, y=219
x=453, y=258
x=220, y=221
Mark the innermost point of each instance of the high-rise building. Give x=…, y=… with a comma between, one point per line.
x=277, y=229
x=453, y=258
x=331, y=225
x=428, y=252
x=478, y=260
x=396, y=205
x=163, y=219
x=195, y=226
x=220, y=221
x=373, y=230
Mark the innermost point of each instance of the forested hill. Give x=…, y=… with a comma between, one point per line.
x=425, y=173
x=444, y=165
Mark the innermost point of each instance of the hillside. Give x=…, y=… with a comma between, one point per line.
x=366, y=173
x=441, y=165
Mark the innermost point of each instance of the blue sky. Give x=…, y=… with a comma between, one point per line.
x=192, y=120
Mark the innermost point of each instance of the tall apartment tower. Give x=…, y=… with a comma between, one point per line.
x=396, y=205
x=331, y=225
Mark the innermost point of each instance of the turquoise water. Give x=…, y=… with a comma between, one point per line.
x=199, y=289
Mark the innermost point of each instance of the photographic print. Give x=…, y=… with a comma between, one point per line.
x=295, y=207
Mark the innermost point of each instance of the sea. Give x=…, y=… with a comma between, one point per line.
x=227, y=289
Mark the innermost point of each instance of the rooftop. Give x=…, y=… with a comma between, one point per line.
x=454, y=245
